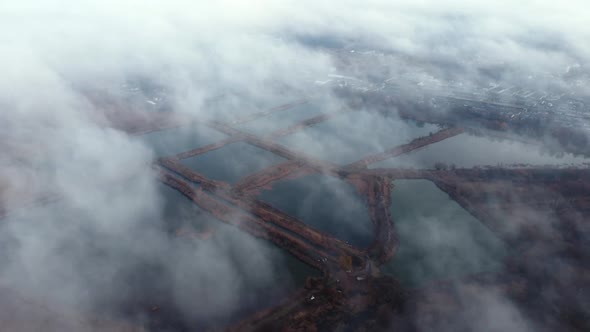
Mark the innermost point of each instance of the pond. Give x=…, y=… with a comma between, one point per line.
x=468, y=151
x=232, y=162
x=282, y=119
x=438, y=238
x=325, y=203
x=352, y=136
x=229, y=273
x=173, y=141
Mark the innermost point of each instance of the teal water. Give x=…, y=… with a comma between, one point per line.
x=438, y=238
x=232, y=162
x=173, y=141
x=352, y=136
x=282, y=119
x=289, y=272
x=468, y=151
x=325, y=203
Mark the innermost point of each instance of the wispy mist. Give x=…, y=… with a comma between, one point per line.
x=66, y=65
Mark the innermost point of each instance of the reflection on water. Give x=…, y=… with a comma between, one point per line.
x=351, y=136
x=232, y=162
x=468, y=151
x=438, y=238
x=325, y=203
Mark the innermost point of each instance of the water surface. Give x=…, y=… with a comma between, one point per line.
x=282, y=119
x=232, y=162
x=325, y=203
x=173, y=141
x=468, y=151
x=352, y=136
x=438, y=238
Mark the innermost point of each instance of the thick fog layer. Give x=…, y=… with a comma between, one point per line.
x=64, y=64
